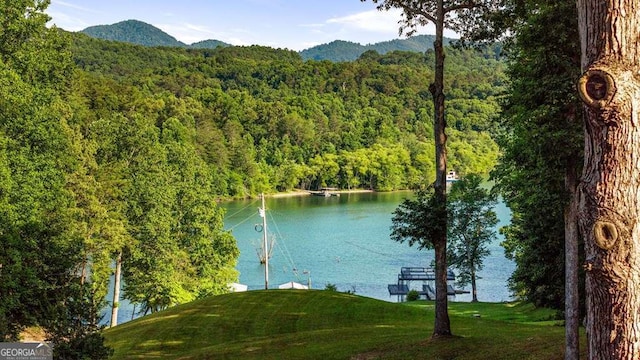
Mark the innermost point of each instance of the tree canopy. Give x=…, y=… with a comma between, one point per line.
x=471, y=228
x=258, y=113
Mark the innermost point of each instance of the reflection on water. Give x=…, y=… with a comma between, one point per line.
x=343, y=241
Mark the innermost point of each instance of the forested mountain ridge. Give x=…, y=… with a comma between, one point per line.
x=141, y=33
x=264, y=120
x=340, y=50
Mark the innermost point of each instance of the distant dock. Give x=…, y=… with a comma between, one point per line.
x=326, y=192
x=427, y=276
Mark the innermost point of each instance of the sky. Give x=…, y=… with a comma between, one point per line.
x=288, y=24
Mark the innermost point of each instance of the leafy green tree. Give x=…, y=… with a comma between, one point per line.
x=541, y=113
x=542, y=138
x=72, y=336
x=325, y=168
x=198, y=219
x=440, y=14
x=471, y=228
x=388, y=166
x=41, y=254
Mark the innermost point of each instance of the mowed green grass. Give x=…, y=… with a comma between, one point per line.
x=302, y=324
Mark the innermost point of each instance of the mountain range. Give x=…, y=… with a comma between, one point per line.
x=141, y=33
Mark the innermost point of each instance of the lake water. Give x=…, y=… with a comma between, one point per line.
x=344, y=241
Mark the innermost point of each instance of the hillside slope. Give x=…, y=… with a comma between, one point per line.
x=134, y=32
x=302, y=324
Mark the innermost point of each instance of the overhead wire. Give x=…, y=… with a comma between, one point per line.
x=238, y=212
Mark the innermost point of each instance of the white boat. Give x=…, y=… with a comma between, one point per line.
x=452, y=176
x=326, y=192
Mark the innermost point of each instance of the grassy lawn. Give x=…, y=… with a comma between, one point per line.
x=302, y=324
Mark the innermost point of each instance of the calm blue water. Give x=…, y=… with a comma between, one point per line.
x=342, y=241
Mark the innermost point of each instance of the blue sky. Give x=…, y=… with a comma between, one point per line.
x=291, y=24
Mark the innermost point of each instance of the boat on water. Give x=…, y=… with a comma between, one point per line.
x=326, y=192
x=452, y=176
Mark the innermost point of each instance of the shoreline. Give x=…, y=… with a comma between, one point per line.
x=308, y=192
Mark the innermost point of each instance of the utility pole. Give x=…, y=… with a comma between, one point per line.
x=265, y=243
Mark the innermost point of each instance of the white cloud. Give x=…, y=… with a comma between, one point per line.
x=192, y=33
x=372, y=21
x=380, y=22
x=72, y=6
x=187, y=33
x=66, y=21
x=312, y=26
x=69, y=16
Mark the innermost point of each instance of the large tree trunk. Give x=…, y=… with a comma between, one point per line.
x=571, y=290
x=442, y=326
x=474, y=288
x=609, y=193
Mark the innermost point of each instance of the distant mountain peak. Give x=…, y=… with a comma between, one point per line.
x=135, y=32
x=141, y=33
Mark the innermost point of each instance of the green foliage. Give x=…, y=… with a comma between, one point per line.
x=37, y=255
x=68, y=330
x=471, y=228
x=416, y=220
x=542, y=136
x=413, y=295
x=133, y=31
x=40, y=176
x=263, y=120
x=90, y=168
x=470, y=224
x=331, y=287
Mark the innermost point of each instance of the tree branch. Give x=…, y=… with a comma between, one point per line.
x=467, y=5
x=409, y=11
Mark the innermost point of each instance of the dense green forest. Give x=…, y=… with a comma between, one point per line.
x=113, y=152
x=264, y=120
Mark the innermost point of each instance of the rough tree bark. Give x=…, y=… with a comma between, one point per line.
x=442, y=326
x=440, y=13
x=571, y=291
x=610, y=188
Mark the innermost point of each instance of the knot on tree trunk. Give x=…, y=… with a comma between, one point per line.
x=596, y=88
x=605, y=233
